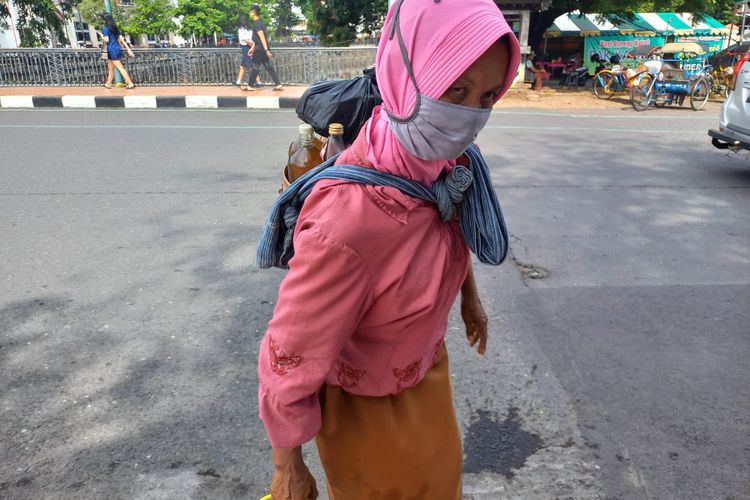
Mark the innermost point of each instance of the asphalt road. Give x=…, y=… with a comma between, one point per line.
x=131, y=311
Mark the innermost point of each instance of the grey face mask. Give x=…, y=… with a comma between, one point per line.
x=440, y=130
x=435, y=130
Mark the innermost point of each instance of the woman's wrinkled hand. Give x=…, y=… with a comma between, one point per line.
x=292, y=479
x=287, y=485
x=475, y=319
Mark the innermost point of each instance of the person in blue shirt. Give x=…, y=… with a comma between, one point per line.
x=112, y=36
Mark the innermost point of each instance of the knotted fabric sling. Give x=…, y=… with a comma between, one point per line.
x=464, y=192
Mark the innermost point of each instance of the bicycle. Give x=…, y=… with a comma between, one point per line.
x=609, y=82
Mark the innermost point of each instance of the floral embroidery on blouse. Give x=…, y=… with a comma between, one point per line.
x=349, y=377
x=407, y=377
x=437, y=351
x=281, y=364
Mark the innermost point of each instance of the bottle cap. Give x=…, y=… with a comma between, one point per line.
x=305, y=129
x=335, y=128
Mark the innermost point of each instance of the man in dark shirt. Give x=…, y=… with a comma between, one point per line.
x=262, y=54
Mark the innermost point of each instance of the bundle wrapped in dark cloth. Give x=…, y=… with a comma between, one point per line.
x=348, y=102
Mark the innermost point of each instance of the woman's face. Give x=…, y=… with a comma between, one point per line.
x=479, y=85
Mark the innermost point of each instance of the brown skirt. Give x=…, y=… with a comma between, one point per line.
x=401, y=447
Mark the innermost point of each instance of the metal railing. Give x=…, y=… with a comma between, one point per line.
x=214, y=66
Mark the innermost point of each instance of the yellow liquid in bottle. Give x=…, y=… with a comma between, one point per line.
x=303, y=160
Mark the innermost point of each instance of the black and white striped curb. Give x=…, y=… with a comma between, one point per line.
x=148, y=102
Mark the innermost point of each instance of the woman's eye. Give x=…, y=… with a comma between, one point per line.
x=457, y=92
x=489, y=96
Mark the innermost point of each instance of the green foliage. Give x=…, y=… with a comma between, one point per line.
x=90, y=10
x=284, y=19
x=4, y=15
x=230, y=11
x=724, y=11
x=199, y=18
x=307, y=11
x=336, y=21
x=37, y=19
x=206, y=17
x=153, y=17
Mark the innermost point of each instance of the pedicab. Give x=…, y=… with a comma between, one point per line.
x=680, y=71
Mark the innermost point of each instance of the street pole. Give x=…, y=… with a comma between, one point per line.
x=119, y=80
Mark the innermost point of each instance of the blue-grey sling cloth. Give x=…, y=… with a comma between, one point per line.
x=464, y=192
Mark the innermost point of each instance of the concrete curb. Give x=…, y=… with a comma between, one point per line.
x=148, y=102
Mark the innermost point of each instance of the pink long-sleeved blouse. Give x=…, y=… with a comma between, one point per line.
x=364, y=305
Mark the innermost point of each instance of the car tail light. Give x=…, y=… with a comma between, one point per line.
x=737, y=69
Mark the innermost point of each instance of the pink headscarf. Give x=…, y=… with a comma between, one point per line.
x=442, y=38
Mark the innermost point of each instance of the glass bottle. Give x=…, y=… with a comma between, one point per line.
x=304, y=128
x=305, y=158
x=335, y=143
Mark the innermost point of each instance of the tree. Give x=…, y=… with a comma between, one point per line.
x=230, y=11
x=150, y=17
x=4, y=14
x=624, y=9
x=38, y=19
x=724, y=11
x=336, y=22
x=307, y=11
x=199, y=18
x=90, y=10
x=284, y=18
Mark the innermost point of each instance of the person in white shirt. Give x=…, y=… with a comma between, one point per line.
x=247, y=46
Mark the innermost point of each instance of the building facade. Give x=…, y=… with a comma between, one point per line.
x=79, y=33
x=518, y=15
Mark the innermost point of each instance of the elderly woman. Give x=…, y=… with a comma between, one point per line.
x=354, y=354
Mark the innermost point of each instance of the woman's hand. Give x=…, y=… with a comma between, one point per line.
x=472, y=312
x=475, y=320
x=291, y=479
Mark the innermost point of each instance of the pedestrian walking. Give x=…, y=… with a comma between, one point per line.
x=354, y=354
x=262, y=55
x=247, y=46
x=112, y=36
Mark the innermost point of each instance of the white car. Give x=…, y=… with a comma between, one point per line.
x=734, y=121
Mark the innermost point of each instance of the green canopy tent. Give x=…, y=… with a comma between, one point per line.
x=642, y=24
x=607, y=35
